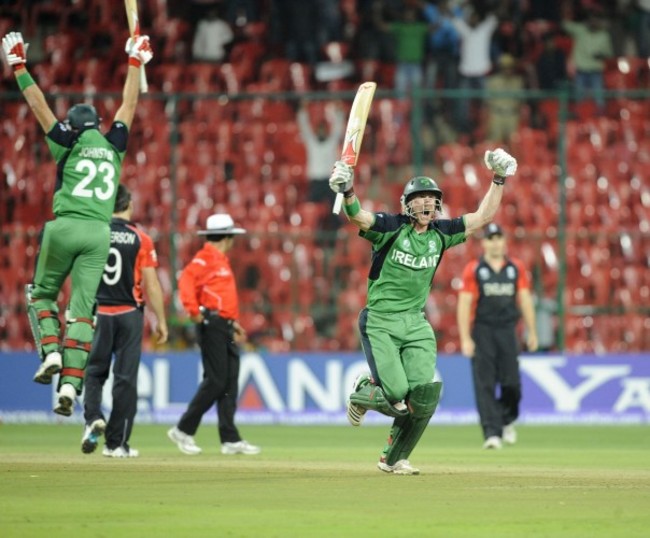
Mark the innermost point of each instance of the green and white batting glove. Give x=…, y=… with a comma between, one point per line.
x=342, y=178
x=501, y=163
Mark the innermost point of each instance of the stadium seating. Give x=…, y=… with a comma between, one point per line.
x=246, y=156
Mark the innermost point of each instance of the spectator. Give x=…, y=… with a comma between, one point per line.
x=504, y=112
x=592, y=45
x=130, y=270
x=208, y=292
x=77, y=241
x=398, y=341
x=491, y=287
x=323, y=146
x=410, y=36
x=550, y=67
x=643, y=28
x=475, y=64
x=443, y=45
x=374, y=38
x=211, y=37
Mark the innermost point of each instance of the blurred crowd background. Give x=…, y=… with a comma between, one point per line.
x=563, y=85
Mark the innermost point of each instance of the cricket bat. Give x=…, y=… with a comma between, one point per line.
x=354, y=131
x=131, y=7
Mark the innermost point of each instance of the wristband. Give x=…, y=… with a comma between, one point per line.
x=498, y=180
x=352, y=209
x=24, y=80
x=349, y=193
x=134, y=62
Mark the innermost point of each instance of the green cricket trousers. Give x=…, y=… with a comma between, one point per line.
x=78, y=248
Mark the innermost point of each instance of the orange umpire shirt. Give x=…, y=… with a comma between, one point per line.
x=208, y=281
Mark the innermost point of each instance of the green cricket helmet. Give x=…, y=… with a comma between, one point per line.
x=418, y=185
x=82, y=117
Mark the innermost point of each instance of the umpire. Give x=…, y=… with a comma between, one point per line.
x=493, y=285
x=131, y=266
x=208, y=291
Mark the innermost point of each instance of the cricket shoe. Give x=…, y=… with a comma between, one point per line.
x=355, y=413
x=121, y=452
x=240, y=447
x=65, y=400
x=92, y=433
x=493, y=443
x=509, y=435
x=51, y=365
x=184, y=442
x=401, y=467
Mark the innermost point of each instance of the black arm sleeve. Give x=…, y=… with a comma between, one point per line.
x=61, y=135
x=118, y=136
x=450, y=227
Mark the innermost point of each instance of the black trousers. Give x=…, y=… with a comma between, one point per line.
x=119, y=335
x=220, y=358
x=497, y=380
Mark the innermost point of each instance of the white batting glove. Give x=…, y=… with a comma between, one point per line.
x=15, y=50
x=501, y=163
x=342, y=178
x=139, y=50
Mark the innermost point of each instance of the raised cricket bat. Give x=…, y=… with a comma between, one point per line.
x=131, y=7
x=354, y=131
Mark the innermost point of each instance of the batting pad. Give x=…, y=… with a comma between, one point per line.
x=373, y=397
x=406, y=431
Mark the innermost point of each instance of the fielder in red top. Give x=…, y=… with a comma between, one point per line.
x=131, y=266
x=208, y=291
x=495, y=292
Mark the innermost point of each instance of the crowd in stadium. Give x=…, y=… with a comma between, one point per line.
x=293, y=47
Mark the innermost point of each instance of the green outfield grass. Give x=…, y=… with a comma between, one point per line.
x=568, y=481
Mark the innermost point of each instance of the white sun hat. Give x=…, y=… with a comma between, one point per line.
x=221, y=224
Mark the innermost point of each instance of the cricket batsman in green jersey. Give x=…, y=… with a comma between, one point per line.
x=397, y=339
x=77, y=241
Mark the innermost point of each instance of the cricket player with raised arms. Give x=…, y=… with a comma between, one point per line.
x=77, y=241
x=397, y=339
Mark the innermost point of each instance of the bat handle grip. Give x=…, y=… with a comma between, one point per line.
x=144, y=86
x=338, y=203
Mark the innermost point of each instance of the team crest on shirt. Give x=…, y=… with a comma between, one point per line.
x=432, y=246
x=406, y=243
x=484, y=273
x=510, y=272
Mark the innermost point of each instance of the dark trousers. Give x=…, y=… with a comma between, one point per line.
x=220, y=358
x=495, y=367
x=119, y=335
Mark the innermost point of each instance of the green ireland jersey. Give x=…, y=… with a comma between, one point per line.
x=404, y=261
x=88, y=166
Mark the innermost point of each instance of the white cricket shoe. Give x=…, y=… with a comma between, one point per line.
x=493, y=442
x=52, y=364
x=92, y=433
x=509, y=434
x=120, y=452
x=402, y=467
x=184, y=442
x=65, y=401
x=240, y=447
x=355, y=413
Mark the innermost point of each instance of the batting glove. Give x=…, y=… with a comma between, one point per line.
x=501, y=163
x=139, y=50
x=15, y=50
x=342, y=178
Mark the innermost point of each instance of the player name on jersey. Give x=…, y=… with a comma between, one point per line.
x=97, y=153
x=125, y=238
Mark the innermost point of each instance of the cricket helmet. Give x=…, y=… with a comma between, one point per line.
x=82, y=117
x=417, y=185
